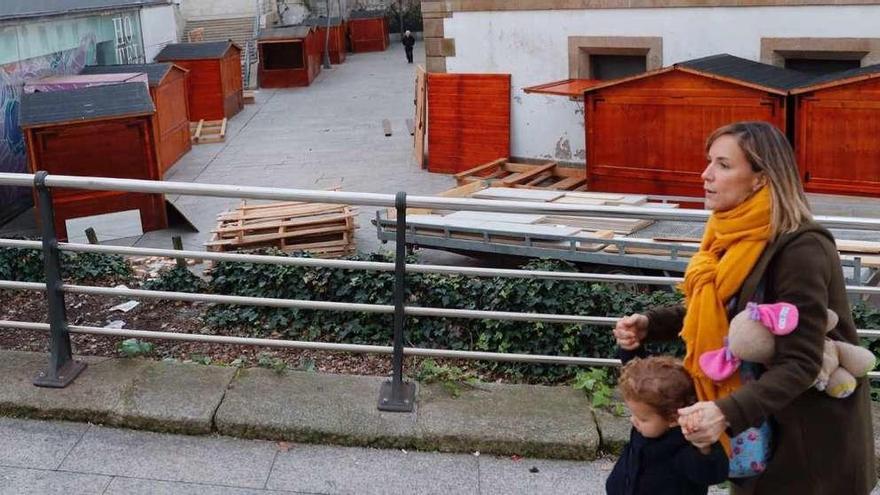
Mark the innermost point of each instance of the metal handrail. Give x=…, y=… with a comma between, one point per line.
x=397, y=396
x=374, y=265
x=387, y=200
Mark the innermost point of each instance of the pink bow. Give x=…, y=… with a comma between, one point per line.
x=719, y=364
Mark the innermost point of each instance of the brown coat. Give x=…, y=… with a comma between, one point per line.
x=822, y=445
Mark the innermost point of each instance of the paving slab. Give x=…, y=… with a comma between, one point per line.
x=157, y=456
x=15, y=481
x=174, y=397
x=528, y=420
x=301, y=406
x=505, y=476
x=134, y=486
x=37, y=444
x=350, y=470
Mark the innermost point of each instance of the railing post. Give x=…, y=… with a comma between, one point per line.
x=62, y=368
x=395, y=395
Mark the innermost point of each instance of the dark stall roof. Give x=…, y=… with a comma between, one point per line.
x=22, y=9
x=284, y=32
x=194, y=51
x=322, y=21
x=155, y=72
x=85, y=104
x=740, y=69
x=839, y=78
x=366, y=14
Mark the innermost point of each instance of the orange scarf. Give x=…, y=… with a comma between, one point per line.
x=731, y=245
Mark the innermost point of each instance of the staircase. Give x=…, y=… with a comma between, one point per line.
x=238, y=29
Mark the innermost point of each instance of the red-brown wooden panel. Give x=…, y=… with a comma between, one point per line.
x=308, y=51
x=837, y=140
x=171, y=120
x=121, y=148
x=648, y=135
x=233, y=94
x=368, y=35
x=204, y=92
x=336, y=42
x=468, y=120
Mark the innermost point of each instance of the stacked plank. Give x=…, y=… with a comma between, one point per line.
x=324, y=230
x=520, y=175
x=207, y=131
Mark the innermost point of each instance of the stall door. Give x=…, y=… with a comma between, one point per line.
x=468, y=120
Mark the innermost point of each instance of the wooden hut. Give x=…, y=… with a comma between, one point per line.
x=168, y=90
x=368, y=31
x=646, y=133
x=214, y=85
x=102, y=131
x=289, y=56
x=837, y=125
x=336, y=43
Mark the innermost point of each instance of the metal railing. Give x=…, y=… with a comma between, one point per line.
x=395, y=395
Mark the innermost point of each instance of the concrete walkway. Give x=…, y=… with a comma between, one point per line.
x=295, y=431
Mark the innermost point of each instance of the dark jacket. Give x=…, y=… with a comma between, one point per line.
x=821, y=445
x=408, y=41
x=667, y=465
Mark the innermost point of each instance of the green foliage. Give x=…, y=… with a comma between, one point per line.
x=135, y=347
x=26, y=265
x=412, y=17
x=177, y=279
x=452, y=378
x=598, y=384
x=278, y=365
x=433, y=290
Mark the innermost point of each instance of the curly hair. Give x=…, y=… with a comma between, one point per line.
x=661, y=382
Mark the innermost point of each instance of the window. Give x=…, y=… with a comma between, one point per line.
x=610, y=57
x=820, y=55
x=285, y=55
x=605, y=67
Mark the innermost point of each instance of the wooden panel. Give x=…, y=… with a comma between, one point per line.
x=468, y=120
x=837, y=144
x=172, y=119
x=336, y=43
x=295, y=77
x=368, y=35
x=648, y=136
x=121, y=148
x=421, y=122
x=233, y=97
x=204, y=92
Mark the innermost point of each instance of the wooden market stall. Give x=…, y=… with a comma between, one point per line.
x=837, y=125
x=101, y=131
x=646, y=133
x=368, y=31
x=336, y=43
x=167, y=83
x=214, y=86
x=289, y=56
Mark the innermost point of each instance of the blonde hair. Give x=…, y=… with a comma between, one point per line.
x=769, y=152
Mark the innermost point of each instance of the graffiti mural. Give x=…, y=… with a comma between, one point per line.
x=12, y=79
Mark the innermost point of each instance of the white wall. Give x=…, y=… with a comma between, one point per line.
x=208, y=9
x=159, y=27
x=533, y=47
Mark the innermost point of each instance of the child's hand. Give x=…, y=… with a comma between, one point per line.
x=690, y=423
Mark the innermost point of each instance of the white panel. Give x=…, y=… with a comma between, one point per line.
x=159, y=28
x=108, y=226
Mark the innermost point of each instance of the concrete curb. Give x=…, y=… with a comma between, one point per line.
x=526, y=420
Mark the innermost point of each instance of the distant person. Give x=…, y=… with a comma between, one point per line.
x=658, y=459
x=408, y=41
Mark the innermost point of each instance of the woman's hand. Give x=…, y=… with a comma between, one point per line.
x=702, y=423
x=630, y=331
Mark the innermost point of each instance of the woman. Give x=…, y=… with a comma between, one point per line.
x=761, y=241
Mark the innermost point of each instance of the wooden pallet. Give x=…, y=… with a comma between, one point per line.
x=503, y=173
x=324, y=230
x=248, y=96
x=208, y=131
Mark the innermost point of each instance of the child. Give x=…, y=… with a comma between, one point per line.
x=658, y=459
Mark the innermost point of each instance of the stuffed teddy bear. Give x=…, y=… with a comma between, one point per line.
x=751, y=338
